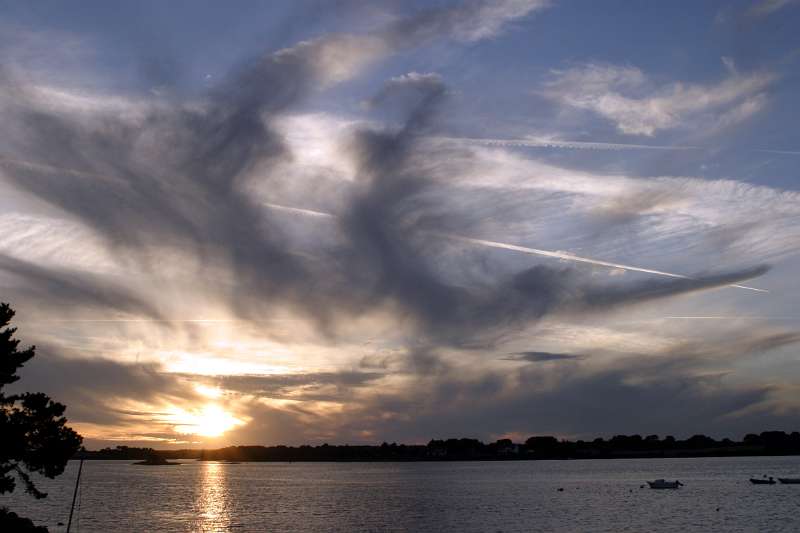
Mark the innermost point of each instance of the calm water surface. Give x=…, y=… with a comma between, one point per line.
x=603, y=495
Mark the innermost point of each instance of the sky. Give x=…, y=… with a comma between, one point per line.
x=354, y=222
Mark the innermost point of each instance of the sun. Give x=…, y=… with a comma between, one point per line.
x=209, y=421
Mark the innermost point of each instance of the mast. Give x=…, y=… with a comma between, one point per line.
x=75, y=493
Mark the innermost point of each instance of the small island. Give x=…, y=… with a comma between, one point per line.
x=156, y=460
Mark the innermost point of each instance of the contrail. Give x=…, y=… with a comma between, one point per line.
x=524, y=249
x=44, y=168
x=572, y=257
x=482, y=242
x=722, y=317
x=582, y=145
x=576, y=145
x=782, y=152
x=300, y=210
x=137, y=320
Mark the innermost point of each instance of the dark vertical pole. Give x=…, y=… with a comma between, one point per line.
x=74, y=494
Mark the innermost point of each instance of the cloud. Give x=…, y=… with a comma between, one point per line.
x=174, y=204
x=552, y=141
x=339, y=57
x=108, y=400
x=763, y=8
x=637, y=106
x=63, y=287
x=566, y=256
x=664, y=223
x=677, y=389
x=412, y=82
x=539, y=357
x=306, y=386
x=665, y=392
x=467, y=22
x=171, y=177
x=145, y=200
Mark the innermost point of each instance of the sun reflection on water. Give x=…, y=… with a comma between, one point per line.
x=213, y=505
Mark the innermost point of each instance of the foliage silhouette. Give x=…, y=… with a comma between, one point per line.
x=35, y=437
x=536, y=447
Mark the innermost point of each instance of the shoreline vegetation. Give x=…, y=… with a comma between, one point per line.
x=465, y=449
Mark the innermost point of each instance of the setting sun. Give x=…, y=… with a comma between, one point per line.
x=209, y=421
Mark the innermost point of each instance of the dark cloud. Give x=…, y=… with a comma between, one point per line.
x=650, y=289
x=172, y=177
x=390, y=225
x=538, y=357
x=675, y=390
x=45, y=287
x=306, y=386
x=634, y=395
x=92, y=389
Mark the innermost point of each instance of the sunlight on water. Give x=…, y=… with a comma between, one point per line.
x=213, y=506
x=461, y=497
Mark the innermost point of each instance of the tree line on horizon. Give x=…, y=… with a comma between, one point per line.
x=536, y=447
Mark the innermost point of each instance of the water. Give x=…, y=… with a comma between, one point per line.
x=598, y=495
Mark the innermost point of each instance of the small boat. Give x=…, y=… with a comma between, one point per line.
x=663, y=484
x=762, y=481
x=789, y=480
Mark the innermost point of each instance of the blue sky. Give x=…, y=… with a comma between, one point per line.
x=354, y=221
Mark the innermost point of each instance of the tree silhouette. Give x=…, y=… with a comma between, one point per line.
x=35, y=437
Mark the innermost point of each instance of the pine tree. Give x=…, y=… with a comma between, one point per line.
x=34, y=436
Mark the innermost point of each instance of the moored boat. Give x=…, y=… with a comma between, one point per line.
x=789, y=480
x=663, y=484
x=762, y=481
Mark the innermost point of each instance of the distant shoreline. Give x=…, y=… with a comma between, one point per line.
x=768, y=443
x=483, y=459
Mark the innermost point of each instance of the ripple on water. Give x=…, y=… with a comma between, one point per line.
x=600, y=495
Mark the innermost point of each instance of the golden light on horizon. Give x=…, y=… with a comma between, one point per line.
x=209, y=421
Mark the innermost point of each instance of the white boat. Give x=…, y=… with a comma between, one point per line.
x=664, y=484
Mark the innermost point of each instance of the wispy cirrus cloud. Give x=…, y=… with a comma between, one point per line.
x=763, y=8
x=296, y=260
x=638, y=105
x=668, y=217
x=335, y=58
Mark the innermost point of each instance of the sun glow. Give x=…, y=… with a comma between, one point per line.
x=209, y=421
x=209, y=392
